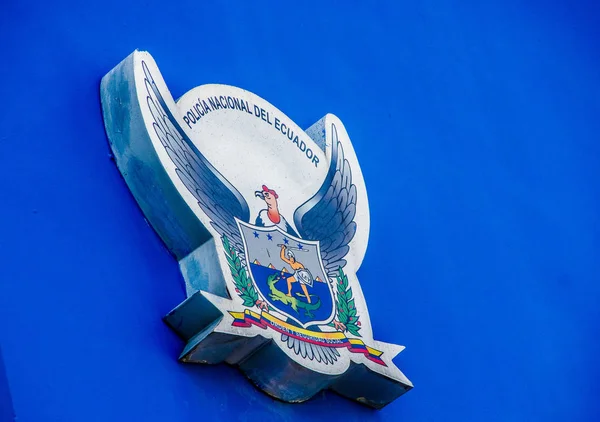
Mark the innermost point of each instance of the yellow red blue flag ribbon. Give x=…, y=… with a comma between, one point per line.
x=335, y=339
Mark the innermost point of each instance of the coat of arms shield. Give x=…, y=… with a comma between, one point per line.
x=288, y=273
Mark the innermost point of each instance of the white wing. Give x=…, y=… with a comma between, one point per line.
x=216, y=196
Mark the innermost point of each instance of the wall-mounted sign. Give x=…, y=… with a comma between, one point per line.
x=269, y=224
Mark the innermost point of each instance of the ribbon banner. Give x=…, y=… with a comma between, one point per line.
x=336, y=339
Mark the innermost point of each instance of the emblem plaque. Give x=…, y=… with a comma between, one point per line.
x=269, y=224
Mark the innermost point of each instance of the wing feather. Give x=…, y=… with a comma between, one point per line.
x=310, y=351
x=329, y=215
x=216, y=197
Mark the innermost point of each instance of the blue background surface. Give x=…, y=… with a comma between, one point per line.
x=477, y=126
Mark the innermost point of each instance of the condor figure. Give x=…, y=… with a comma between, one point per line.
x=270, y=216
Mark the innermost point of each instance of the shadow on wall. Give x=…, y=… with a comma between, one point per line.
x=6, y=408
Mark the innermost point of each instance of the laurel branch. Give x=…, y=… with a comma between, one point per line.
x=243, y=285
x=345, y=306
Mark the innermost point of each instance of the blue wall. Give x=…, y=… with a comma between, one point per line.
x=477, y=126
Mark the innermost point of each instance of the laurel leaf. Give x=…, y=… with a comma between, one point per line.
x=226, y=243
x=249, y=302
x=353, y=329
x=244, y=276
x=230, y=261
x=344, y=305
x=343, y=316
